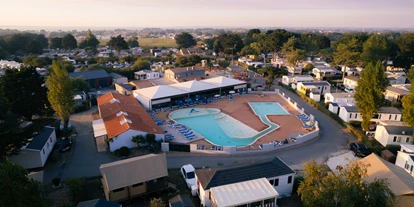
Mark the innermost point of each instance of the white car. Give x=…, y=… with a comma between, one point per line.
x=187, y=171
x=349, y=90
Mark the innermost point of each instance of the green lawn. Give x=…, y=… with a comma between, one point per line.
x=149, y=42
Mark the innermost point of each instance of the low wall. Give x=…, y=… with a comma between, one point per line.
x=302, y=138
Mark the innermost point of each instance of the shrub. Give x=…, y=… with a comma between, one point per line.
x=76, y=188
x=157, y=202
x=56, y=181
x=150, y=138
x=124, y=151
x=396, y=105
x=355, y=123
x=298, y=180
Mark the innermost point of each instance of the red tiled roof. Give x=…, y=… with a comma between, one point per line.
x=133, y=115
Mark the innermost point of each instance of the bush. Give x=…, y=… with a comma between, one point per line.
x=355, y=124
x=298, y=180
x=150, y=139
x=157, y=202
x=56, y=181
x=396, y=105
x=124, y=151
x=76, y=188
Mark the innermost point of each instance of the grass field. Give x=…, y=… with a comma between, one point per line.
x=150, y=42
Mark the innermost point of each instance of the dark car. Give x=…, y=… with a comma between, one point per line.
x=360, y=150
x=64, y=145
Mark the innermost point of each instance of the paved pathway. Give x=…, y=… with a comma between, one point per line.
x=86, y=160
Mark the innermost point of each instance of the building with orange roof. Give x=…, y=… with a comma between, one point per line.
x=122, y=117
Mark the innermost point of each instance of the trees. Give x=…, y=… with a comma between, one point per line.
x=133, y=42
x=405, y=54
x=118, y=43
x=60, y=93
x=224, y=63
x=269, y=72
x=183, y=61
x=249, y=38
x=230, y=44
x=33, y=47
x=369, y=92
x=375, y=48
x=185, y=40
x=344, y=187
x=408, y=102
x=295, y=56
x=55, y=42
x=80, y=85
x=141, y=64
x=69, y=42
x=248, y=50
x=35, y=61
x=89, y=41
x=348, y=53
x=18, y=189
x=24, y=92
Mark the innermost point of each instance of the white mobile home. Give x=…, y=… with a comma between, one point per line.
x=351, y=113
x=405, y=158
x=394, y=134
x=35, y=153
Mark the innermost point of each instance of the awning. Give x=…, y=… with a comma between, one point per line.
x=98, y=128
x=243, y=192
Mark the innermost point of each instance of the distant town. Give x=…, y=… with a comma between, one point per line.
x=212, y=117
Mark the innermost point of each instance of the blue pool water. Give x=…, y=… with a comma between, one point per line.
x=207, y=125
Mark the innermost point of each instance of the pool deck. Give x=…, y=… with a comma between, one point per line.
x=240, y=110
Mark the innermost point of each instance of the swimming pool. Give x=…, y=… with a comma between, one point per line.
x=222, y=129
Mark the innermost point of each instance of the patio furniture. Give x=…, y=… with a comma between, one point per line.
x=213, y=147
x=219, y=148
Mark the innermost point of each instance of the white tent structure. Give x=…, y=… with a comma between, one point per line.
x=258, y=191
x=98, y=128
x=164, y=93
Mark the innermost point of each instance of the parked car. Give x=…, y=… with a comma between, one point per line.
x=187, y=171
x=349, y=90
x=360, y=150
x=64, y=144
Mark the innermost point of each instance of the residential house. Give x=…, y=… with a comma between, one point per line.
x=336, y=100
x=393, y=133
x=397, y=77
x=146, y=74
x=137, y=176
x=278, y=174
x=95, y=78
x=124, y=88
x=351, y=82
x=321, y=72
x=98, y=203
x=321, y=87
x=258, y=192
x=289, y=79
x=396, y=92
x=400, y=182
x=192, y=51
x=297, y=69
x=36, y=151
x=117, y=78
x=123, y=117
x=351, y=113
x=185, y=73
x=180, y=201
x=405, y=158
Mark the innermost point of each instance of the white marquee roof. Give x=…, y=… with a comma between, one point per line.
x=243, y=192
x=222, y=81
x=164, y=91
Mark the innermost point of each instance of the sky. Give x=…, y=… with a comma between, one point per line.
x=206, y=13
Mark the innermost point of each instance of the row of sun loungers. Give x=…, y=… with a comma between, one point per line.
x=213, y=147
x=286, y=141
x=305, y=119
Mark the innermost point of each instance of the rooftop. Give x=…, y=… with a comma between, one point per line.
x=210, y=178
x=98, y=203
x=185, y=69
x=399, y=130
x=39, y=141
x=116, y=75
x=385, y=110
x=316, y=83
x=398, y=90
x=341, y=95
x=121, y=113
x=352, y=78
x=181, y=201
x=91, y=74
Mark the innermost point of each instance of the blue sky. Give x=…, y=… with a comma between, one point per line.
x=207, y=13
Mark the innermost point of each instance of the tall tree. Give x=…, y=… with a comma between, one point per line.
x=295, y=56
x=24, y=92
x=133, y=42
x=118, y=43
x=89, y=41
x=370, y=91
x=248, y=50
x=18, y=189
x=408, y=102
x=141, y=64
x=60, y=93
x=348, y=53
x=69, y=42
x=248, y=39
x=344, y=187
x=375, y=48
x=405, y=56
x=34, y=47
x=185, y=40
x=230, y=43
x=291, y=45
x=55, y=42
x=269, y=73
